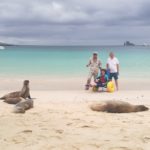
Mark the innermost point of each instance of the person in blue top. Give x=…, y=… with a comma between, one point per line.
x=102, y=80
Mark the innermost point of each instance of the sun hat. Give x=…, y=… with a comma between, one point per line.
x=95, y=53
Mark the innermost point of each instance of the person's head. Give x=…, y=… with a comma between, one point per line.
x=95, y=54
x=103, y=72
x=111, y=55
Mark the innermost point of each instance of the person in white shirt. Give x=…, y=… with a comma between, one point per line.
x=113, y=67
x=94, y=64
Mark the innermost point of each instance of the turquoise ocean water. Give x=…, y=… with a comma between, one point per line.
x=70, y=61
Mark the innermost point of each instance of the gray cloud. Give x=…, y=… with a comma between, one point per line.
x=74, y=21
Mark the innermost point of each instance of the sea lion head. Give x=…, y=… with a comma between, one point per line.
x=142, y=108
x=18, y=109
x=26, y=82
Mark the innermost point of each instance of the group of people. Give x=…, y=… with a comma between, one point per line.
x=111, y=71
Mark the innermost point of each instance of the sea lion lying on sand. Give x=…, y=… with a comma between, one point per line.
x=15, y=96
x=23, y=105
x=13, y=100
x=117, y=107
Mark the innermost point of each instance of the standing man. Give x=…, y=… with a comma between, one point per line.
x=113, y=67
x=94, y=64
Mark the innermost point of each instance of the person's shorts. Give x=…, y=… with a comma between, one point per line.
x=113, y=75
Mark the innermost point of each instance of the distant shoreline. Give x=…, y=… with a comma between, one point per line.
x=26, y=45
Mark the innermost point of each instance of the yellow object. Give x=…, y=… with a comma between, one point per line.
x=95, y=89
x=110, y=87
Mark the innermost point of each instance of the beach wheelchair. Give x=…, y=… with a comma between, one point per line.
x=106, y=85
x=97, y=86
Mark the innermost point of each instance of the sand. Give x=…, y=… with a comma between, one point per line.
x=43, y=83
x=62, y=120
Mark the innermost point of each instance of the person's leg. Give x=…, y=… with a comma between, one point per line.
x=116, y=81
x=95, y=76
x=101, y=87
x=110, y=76
x=117, y=87
x=89, y=78
x=88, y=81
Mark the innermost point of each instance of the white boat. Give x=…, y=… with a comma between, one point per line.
x=2, y=47
x=145, y=44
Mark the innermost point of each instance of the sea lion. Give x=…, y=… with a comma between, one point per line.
x=24, y=93
x=23, y=105
x=14, y=100
x=118, y=107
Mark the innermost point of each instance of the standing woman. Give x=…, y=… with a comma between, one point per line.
x=94, y=64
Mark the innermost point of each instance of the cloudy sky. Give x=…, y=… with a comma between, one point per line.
x=74, y=22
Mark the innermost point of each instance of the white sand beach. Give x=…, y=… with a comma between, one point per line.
x=62, y=120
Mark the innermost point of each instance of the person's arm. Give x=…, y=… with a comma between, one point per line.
x=107, y=66
x=106, y=78
x=99, y=64
x=88, y=63
x=97, y=79
x=118, y=66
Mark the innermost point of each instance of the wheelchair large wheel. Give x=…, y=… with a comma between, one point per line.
x=95, y=89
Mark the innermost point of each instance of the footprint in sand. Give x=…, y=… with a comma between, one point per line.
x=88, y=126
x=119, y=148
x=95, y=145
x=66, y=112
x=69, y=124
x=146, y=139
x=92, y=146
x=35, y=113
x=123, y=148
x=4, y=139
x=76, y=119
x=125, y=121
x=59, y=131
x=75, y=148
x=27, y=131
x=107, y=140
